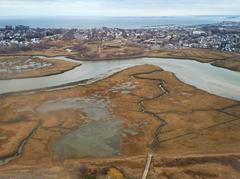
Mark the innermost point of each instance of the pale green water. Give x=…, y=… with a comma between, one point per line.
x=98, y=139
x=215, y=80
x=99, y=136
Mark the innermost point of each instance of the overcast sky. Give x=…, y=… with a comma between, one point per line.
x=118, y=7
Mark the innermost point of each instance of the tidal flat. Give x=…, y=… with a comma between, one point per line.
x=17, y=67
x=183, y=127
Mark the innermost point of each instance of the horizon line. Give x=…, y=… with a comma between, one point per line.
x=238, y=15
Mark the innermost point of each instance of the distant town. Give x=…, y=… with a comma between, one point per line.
x=224, y=36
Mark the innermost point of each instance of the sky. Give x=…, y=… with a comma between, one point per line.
x=118, y=7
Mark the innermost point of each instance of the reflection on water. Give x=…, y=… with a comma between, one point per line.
x=99, y=136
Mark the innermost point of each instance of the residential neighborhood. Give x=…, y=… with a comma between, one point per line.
x=223, y=36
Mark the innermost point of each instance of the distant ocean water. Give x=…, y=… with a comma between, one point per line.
x=120, y=22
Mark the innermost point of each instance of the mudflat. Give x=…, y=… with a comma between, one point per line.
x=13, y=67
x=190, y=132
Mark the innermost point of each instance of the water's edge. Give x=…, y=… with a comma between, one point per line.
x=215, y=80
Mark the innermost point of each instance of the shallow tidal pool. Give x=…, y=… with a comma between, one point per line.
x=100, y=135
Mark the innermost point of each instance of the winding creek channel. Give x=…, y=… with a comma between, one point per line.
x=215, y=80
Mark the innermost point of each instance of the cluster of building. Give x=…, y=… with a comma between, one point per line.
x=223, y=36
x=24, y=36
x=216, y=36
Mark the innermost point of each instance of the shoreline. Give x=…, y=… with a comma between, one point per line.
x=156, y=139
x=85, y=82
x=150, y=54
x=126, y=160
x=110, y=59
x=37, y=76
x=56, y=66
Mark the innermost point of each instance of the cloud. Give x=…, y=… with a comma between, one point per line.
x=118, y=7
